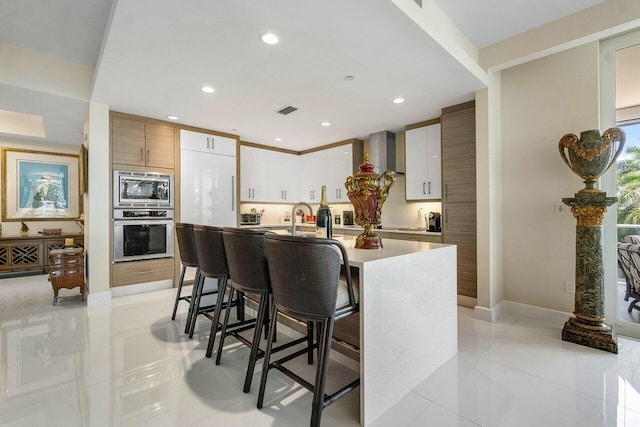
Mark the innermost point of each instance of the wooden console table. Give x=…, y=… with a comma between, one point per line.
x=66, y=270
x=31, y=253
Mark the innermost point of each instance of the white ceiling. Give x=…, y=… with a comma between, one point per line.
x=486, y=22
x=158, y=53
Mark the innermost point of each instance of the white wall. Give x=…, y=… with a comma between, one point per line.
x=541, y=101
x=13, y=227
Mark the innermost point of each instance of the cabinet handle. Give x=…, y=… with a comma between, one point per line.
x=446, y=192
x=285, y=194
x=145, y=272
x=429, y=187
x=249, y=193
x=213, y=143
x=233, y=193
x=310, y=195
x=446, y=216
x=147, y=155
x=423, y=191
x=141, y=155
x=207, y=143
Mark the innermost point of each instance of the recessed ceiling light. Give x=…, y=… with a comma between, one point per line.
x=349, y=78
x=270, y=38
x=325, y=124
x=172, y=117
x=278, y=139
x=207, y=89
x=234, y=130
x=398, y=100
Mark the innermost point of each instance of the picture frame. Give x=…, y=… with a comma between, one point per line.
x=40, y=186
x=83, y=172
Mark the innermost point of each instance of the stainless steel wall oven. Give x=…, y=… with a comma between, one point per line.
x=140, y=234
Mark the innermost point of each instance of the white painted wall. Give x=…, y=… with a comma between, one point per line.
x=98, y=212
x=541, y=101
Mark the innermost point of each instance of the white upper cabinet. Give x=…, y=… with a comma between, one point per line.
x=423, y=163
x=196, y=141
x=338, y=166
x=311, y=177
x=254, y=174
x=283, y=177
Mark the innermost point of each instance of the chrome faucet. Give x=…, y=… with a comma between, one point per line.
x=293, y=215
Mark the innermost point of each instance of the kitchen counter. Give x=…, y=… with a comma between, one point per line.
x=402, y=233
x=408, y=318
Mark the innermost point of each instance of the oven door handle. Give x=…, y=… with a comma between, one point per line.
x=143, y=222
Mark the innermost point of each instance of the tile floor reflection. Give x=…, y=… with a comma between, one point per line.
x=128, y=364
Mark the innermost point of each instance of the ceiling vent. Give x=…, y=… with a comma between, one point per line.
x=287, y=110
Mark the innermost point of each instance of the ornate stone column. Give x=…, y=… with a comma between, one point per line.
x=588, y=327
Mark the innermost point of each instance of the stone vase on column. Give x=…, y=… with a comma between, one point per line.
x=590, y=156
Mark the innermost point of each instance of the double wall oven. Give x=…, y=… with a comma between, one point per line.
x=143, y=216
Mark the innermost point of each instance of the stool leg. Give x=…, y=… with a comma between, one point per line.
x=191, y=302
x=175, y=306
x=267, y=355
x=255, y=345
x=310, y=343
x=321, y=372
x=222, y=289
x=196, y=305
x=223, y=334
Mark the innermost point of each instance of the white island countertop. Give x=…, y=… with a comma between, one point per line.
x=408, y=318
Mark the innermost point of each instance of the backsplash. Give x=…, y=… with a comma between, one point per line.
x=396, y=212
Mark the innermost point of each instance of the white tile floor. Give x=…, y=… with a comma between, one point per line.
x=130, y=365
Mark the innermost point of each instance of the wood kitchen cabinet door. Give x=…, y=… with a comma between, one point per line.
x=127, y=141
x=139, y=143
x=459, y=228
x=160, y=140
x=459, y=153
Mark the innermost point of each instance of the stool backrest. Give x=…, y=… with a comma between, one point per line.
x=210, y=250
x=304, y=275
x=187, y=244
x=248, y=268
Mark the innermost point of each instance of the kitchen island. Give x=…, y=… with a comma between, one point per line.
x=408, y=318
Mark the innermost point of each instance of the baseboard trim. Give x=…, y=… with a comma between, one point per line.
x=535, y=312
x=489, y=314
x=98, y=298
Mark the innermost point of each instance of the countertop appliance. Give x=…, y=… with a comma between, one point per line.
x=434, y=222
x=250, y=218
x=133, y=189
x=142, y=234
x=347, y=217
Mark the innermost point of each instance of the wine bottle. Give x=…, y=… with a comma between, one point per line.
x=323, y=218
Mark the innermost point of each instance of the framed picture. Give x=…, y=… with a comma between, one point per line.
x=84, y=174
x=37, y=185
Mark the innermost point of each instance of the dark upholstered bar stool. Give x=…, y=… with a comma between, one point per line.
x=305, y=276
x=189, y=258
x=250, y=275
x=212, y=260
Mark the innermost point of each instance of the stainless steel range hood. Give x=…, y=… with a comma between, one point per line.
x=382, y=152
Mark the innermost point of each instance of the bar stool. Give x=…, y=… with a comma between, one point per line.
x=305, y=277
x=212, y=261
x=188, y=258
x=250, y=275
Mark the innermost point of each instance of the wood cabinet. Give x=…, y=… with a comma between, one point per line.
x=423, y=162
x=459, y=191
x=29, y=254
x=134, y=272
x=138, y=142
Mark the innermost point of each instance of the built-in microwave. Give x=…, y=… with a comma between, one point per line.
x=133, y=189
